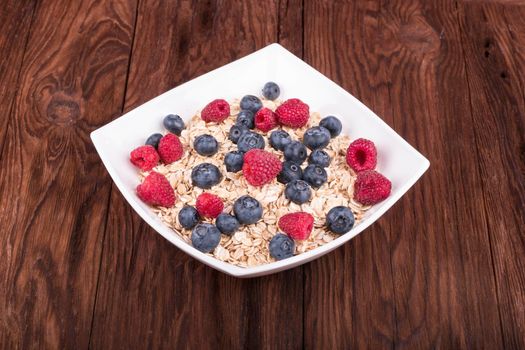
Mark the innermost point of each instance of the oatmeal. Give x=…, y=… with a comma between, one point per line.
x=249, y=245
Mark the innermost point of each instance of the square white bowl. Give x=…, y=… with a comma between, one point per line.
x=397, y=160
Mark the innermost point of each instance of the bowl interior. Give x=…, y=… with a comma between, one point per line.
x=397, y=160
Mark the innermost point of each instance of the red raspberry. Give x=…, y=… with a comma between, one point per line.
x=144, y=157
x=156, y=190
x=170, y=148
x=361, y=155
x=216, y=111
x=293, y=113
x=297, y=225
x=371, y=187
x=260, y=167
x=209, y=205
x=265, y=119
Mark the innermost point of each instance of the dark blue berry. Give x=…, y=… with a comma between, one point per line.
x=174, y=124
x=246, y=118
x=234, y=161
x=290, y=172
x=236, y=132
x=340, y=220
x=281, y=247
x=205, y=237
x=188, y=217
x=271, y=90
x=227, y=224
x=205, y=175
x=206, y=145
x=320, y=158
x=153, y=140
x=298, y=191
x=279, y=139
x=332, y=124
x=250, y=140
x=315, y=175
x=316, y=137
x=251, y=103
x=295, y=151
x=247, y=210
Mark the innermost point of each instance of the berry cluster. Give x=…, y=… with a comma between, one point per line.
x=370, y=186
x=300, y=181
x=156, y=189
x=206, y=236
x=259, y=167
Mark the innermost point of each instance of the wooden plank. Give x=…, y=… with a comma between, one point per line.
x=437, y=269
x=349, y=300
x=494, y=63
x=15, y=23
x=443, y=276
x=151, y=294
x=54, y=189
x=516, y=39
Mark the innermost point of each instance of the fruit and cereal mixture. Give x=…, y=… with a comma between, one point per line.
x=256, y=180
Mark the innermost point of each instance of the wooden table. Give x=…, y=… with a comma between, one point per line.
x=444, y=268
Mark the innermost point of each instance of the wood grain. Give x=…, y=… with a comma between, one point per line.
x=182, y=303
x=439, y=261
x=15, y=24
x=495, y=80
x=54, y=189
x=444, y=268
x=348, y=293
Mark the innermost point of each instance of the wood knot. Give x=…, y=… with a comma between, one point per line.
x=63, y=112
x=418, y=36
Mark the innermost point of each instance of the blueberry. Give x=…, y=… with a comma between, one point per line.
x=281, y=247
x=290, y=172
x=205, y=175
x=205, y=237
x=316, y=137
x=247, y=210
x=315, y=175
x=206, y=145
x=246, y=118
x=279, y=139
x=250, y=140
x=251, y=103
x=227, y=224
x=320, y=158
x=234, y=161
x=174, y=124
x=295, y=151
x=271, y=90
x=298, y=191
x=188, y=217
x=340, y=220
x=332, y=124
x=236, y=132
x=153, y=140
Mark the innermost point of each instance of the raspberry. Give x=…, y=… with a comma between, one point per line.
x=265, y=119
x=156, y=190
x=144, y=157
x=170, y=148
x=371, y=187
x=216, y=111
x=361, y=155
x=293, y=113
x=297, y=225
x=209, y=205
x=260, y=167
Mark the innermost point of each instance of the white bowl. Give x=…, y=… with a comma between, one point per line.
x=397, y=160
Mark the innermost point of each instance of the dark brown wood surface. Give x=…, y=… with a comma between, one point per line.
x=444, y=268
